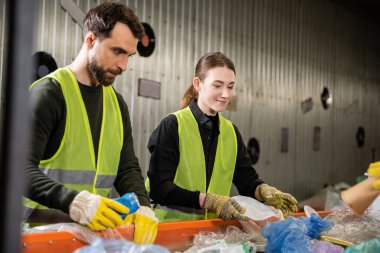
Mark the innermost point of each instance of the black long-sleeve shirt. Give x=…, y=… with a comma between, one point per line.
x=48, y=111
x=164, y=147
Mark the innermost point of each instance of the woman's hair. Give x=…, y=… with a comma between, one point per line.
x=102, y=19
x=205, y=63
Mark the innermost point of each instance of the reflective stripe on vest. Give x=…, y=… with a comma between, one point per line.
x=191, y=170
x=74, y=162
x=79, y=177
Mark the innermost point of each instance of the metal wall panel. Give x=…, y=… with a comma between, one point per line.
x=284, y=52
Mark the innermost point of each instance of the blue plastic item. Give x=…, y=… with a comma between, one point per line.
x=287, y=236
x=315, y=225
x=129, y=200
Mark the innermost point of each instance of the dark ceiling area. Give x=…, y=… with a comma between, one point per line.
x=366, y=8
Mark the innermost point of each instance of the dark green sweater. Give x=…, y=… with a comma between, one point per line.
x=48, y=115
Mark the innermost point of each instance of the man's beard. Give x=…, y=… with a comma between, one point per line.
x=99, y=74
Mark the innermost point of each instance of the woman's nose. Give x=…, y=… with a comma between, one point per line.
x=226, y=93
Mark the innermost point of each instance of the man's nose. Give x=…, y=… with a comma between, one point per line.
x=123, y=64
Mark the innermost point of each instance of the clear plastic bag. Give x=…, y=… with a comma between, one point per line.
x=255, y=232
x=80, y=232
x=120, y=246
x=234, y=240
x=223, y=247
x=108, y=246
x=351, y=228
x=258, y=212
x=151, y=248
x=232, y=235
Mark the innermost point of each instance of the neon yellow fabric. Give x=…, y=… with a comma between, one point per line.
x=191, y=170
x=374, y=171
x=76, y=155
x=172, y=216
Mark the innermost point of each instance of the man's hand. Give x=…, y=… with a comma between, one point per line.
x=145, y=222
x=225, y=207
x=96, y=212
x=374, y=171
x=274, y=197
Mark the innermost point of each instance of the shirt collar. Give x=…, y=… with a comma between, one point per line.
x=201, y=118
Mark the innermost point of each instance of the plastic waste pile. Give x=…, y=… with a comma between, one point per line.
x=234, y=240
x=299, y=235
x=352, y=228
x=113, y=246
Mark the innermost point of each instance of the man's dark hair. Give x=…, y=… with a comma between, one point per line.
x=102, y=19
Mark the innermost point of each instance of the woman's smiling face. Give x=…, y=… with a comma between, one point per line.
x=216, y=90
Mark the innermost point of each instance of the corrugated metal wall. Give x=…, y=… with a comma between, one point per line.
x=284, y=52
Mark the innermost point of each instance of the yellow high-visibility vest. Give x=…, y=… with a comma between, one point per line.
x=73, y=165
x=191, y=170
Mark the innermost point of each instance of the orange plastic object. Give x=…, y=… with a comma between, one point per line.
x=172, y=235
x=179, y=235
x=60, y=242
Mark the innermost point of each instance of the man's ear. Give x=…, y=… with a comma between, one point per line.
x=89, y=39
x=197, y=83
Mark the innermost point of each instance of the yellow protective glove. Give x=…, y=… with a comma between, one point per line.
x=96, y=212
x=145, y=222
x=374, y=171
x=274, y=197
x=225, y=207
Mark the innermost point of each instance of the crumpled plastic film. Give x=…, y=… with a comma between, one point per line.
x=235, y=235
x=232, y=235
x=351, y=228
x=315, y=225
x=80, y=232
x=111, y=234
x=102, y=246
x=113, y=246
x=234, y=240
x=325, y=247
x=223, y=247
x=207, y=238
x=287, y=236
x=254, y=230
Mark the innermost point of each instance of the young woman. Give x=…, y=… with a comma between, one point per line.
x=197, y=154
